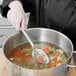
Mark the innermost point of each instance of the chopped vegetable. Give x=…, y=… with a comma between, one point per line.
x=44, y=47
x=46, y=51
x=41, y=58
x=56, y=52
x=59, y=50
x=55, y=59
x=58, y=62
x=53, y=64
x=59, y=58
x=11, y=58
x=51, y=49
x=18, y=53
x=28, y=50
x=41, y=66
x=65, y=58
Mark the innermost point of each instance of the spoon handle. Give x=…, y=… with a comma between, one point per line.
x=28, y=38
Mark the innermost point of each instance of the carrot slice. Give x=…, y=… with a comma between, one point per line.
x=53, y=64
x=40, y=58
x=56, y=52
x=55, y=59
x=18, y=54
x=44, y=47
x=59, y=62
x=46, y=51
x=30, y=55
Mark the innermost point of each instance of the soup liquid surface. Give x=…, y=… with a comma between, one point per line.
x=22, y=56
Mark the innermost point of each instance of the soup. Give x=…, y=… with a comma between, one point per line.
x=22, y=55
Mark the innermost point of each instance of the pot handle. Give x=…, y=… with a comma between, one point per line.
x=72, y=66
x=3, y=35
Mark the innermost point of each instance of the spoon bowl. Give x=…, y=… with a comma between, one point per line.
x=36, y=53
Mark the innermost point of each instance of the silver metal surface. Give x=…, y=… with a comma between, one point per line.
x=39, y=34
x=3, y=35
x=5, y=30
x=28, y=38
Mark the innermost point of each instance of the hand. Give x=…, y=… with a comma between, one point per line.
x=16, y=15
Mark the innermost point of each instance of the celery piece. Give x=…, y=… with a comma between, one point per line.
x=41, y=66
x=51, y=49
x=65, y=58
x=59, y=58
x=61, y=51
x=28, y=50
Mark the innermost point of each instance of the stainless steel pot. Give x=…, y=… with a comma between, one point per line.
x=39, y=34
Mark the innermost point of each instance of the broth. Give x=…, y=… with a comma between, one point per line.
x=22, y=56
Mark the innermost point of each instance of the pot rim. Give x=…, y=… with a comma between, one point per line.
x=39, y=29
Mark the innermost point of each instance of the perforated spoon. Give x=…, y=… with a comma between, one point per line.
x=36, y=52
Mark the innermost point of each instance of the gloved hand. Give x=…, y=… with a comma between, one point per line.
x=16, y=15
